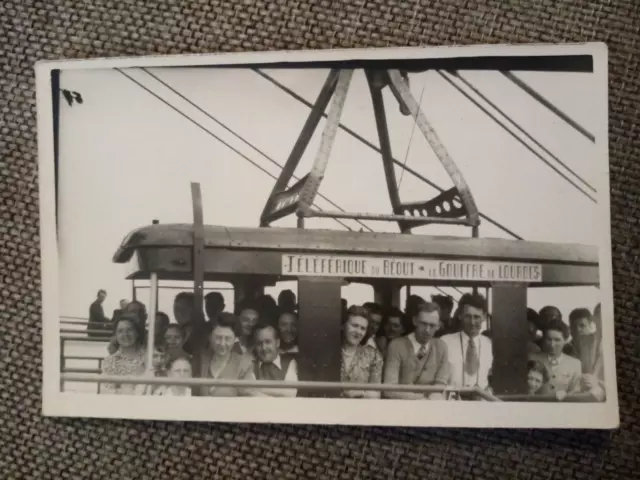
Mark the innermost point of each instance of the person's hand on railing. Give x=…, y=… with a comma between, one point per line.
x=353, y=394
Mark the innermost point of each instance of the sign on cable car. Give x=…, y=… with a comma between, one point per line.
x=409, y=268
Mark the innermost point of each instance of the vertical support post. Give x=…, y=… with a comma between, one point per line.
x=319, y=332
x=198, y=251
x=509, y=336
x=61, y=363
x=315, y=115
x=151, y=340
x=376, y=83
x=133, y=290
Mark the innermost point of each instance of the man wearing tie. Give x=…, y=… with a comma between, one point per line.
x=418, y=358
x=470, y=354
x=271, y=365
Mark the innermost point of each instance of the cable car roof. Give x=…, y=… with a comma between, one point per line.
x=347, y=242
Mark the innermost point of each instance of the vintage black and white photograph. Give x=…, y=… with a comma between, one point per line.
x=329, y=237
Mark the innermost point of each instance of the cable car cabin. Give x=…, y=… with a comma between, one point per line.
x=323, y=261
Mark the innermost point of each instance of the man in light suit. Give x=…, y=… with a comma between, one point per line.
x=418, y=358
x=470, y=353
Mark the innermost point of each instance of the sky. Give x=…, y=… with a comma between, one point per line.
x=126, y=158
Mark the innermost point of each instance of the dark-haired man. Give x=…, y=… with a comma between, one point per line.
x=418, y=358
x=248, y=317
x=97, y=319
x=470, y=353
x=213, y=307
x=270, y=365
x=375, y=320
x=445, y=302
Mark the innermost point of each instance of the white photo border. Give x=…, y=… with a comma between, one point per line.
x=312, y=410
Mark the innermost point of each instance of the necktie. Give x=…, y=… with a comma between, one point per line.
x=471, y=362
x=270, y=372
x=422, y=352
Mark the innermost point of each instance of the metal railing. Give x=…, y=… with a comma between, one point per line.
x=257, y=384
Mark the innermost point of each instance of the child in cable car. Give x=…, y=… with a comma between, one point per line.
x=179, y=367
x=537, y=377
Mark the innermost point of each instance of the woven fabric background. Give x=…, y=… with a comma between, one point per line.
x=34, y=447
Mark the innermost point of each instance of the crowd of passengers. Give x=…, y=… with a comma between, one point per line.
x=429, y=343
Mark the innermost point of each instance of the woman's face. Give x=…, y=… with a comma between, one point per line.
x=554, y=342
x=394, y=328
x=126, y=334
x=181, y=368
x=355, y=329
x=222, y=340
x=173, y=338
x=534, y=381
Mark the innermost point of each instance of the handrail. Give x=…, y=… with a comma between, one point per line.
x=210, y=382
x=574, y=397
x=82, y=370
x=77, y=322
x=79, y=357
x=104, y=339
x=85, y=332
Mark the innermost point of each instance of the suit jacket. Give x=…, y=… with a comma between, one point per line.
x=239, y=367
x=403, y=367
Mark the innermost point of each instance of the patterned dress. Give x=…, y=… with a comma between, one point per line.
x=365, y=367
x=121, y=365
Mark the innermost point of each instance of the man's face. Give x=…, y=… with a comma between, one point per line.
x=214, y=305
x=554, y=342
x=222, y=340
x=288, y=326
x=123, y=304
x=182, y=311
x=248, y=320
x=472, y=320
x=394, y=328
x=102, y=296
x=426, y=325
x=266, y=344
x=375, y=319
x=173, y=338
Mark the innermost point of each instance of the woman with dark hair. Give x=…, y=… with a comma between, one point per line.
x=130, y=357
x=537, y=376
x=360, y=363
x=565, y=370
x=133, y=310
x=221, y=361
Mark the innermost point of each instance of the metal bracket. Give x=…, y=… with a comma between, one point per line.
x=401, y=90
x=446, y=205
x=455, y=206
